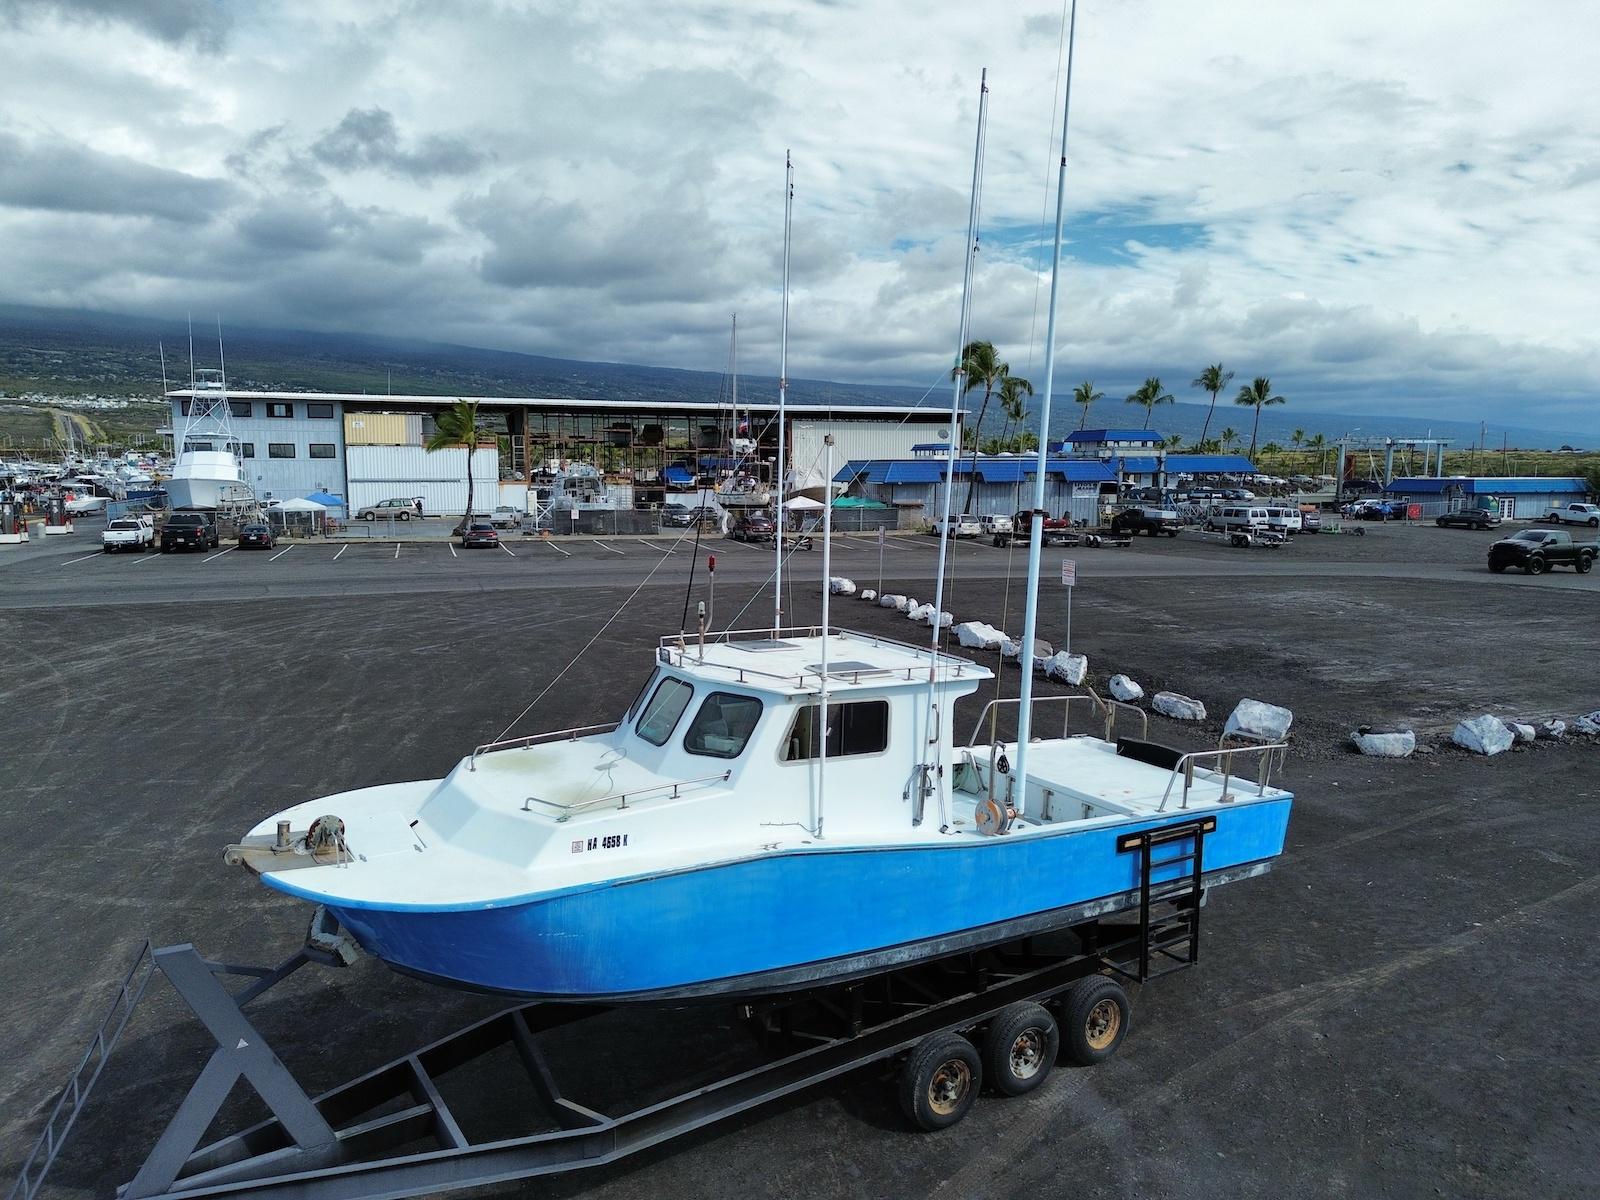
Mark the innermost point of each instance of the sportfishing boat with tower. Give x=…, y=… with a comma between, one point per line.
x=207, y=471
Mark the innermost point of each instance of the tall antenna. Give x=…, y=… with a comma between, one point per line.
x=957, y=390
x=1036, y=524
x=162, y=350
x=827, y=591
x=783, y=391
x=191, y=353
x=222, y=361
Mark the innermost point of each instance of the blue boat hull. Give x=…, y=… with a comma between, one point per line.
x=782, y=920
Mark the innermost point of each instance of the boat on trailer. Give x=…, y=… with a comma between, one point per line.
x=714, y=842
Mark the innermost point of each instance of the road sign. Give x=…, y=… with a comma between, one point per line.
x=1069, y=573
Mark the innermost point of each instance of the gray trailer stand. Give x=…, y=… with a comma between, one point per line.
x=359, y=1140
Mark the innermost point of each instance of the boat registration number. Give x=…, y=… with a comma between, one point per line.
x=611, y=841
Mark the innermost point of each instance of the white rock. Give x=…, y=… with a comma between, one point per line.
x=1522, y=733
x=1483, y=735
x=1587, y=725
x=1178, y=707
x=1066, y=668
x=978, y=636
x=920, y=612
x=1124, y=689
x=841, y=586
x=894, y=601
x=867, y=594
x=1260, y=719
x=1551, y=729
x=1384, y=743
x=1012, y=648
x=946, y=618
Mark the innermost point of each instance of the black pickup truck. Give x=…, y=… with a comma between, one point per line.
x=190, y=531
x=1535, y=551
x=1151, y=520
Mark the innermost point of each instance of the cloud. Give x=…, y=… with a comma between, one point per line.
x=201, y=22
x=1285, y=197
x=369, y=138
x=74, y=178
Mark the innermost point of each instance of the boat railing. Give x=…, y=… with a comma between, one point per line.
x=685, y=649
x=538, y=739
x=1198, y=762
x=1108, y=710
x=671, y=788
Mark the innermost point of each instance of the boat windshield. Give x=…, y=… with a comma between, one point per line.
x=722, y=727
x=660, y=716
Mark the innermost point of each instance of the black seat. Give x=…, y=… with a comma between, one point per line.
x=1153, y=753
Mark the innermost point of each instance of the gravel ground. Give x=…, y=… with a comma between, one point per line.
x=1403, y=1007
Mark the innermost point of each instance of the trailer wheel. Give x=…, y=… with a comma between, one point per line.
x=1095, y=1013
x=1020, y=1048
x=940, y=1080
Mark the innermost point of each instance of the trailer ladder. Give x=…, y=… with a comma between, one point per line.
x=1171, y=892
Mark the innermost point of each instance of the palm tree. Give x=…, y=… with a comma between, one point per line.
x=1149, y=394
x=1257, y=394
x=980, y=365
x=1228, y=437
x=1085, y=395
x=1213, y=379
x=1013, y=390
x=1315, y=444
x=1174, y=441
x=457, y=427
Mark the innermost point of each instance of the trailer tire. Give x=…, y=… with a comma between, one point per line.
x=940, y=1081
x=1020, y=1048
x=1095, y=1014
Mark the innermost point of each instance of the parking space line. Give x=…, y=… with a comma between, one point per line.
x=453, y=553
x=342, y=549
x=85, y=558
x=397, y=549
x=556, y=548
x=147, y=556
x=280, y=554
x=220, y=553
x=506, y=548
x=603, y=546
x=654, y=547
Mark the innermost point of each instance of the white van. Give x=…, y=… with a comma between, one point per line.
x=1284, y=520
x=1242, y=518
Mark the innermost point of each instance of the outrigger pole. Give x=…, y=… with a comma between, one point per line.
x=958, y=389
x=783, y=391
x=1030, y=620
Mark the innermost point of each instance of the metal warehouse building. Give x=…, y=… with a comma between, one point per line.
x=1519, y=497
x=370, y=448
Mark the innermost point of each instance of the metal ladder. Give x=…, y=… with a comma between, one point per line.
x=1169, y=910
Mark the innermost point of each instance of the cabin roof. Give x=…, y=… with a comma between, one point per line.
x=791, y=662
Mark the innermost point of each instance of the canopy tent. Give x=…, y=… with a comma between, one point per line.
x=299, y=518
x=326, y=499
x=802, y=504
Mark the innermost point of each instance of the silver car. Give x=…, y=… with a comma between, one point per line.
x=393, y=509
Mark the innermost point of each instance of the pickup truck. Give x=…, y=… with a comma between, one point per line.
x=1056, y=531
x=1575, y=514
x=1537, y=550
x=190, y=531
x=128, y=533
x=1151, y=520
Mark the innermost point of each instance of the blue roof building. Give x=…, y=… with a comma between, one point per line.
x=1523, y=497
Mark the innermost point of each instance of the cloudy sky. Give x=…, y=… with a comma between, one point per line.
x=1382, y=206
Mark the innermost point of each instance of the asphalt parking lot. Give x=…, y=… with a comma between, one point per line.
x=1403, y=1007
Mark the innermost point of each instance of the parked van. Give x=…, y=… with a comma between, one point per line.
x=1241, y=518
x=1284, y=520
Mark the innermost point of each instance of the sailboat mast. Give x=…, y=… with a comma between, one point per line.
x=783, y=391
x=957, y=390
x=827, y=592
x=733, y=369
x=1030, y=619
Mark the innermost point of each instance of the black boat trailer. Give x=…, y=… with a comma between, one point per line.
x=997, y=1016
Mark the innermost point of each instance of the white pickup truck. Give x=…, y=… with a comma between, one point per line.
x=129, y=533
x=1576, y=514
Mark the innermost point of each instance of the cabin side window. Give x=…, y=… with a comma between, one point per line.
x=722, y=727
x=660, y=716
x=858, y=728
